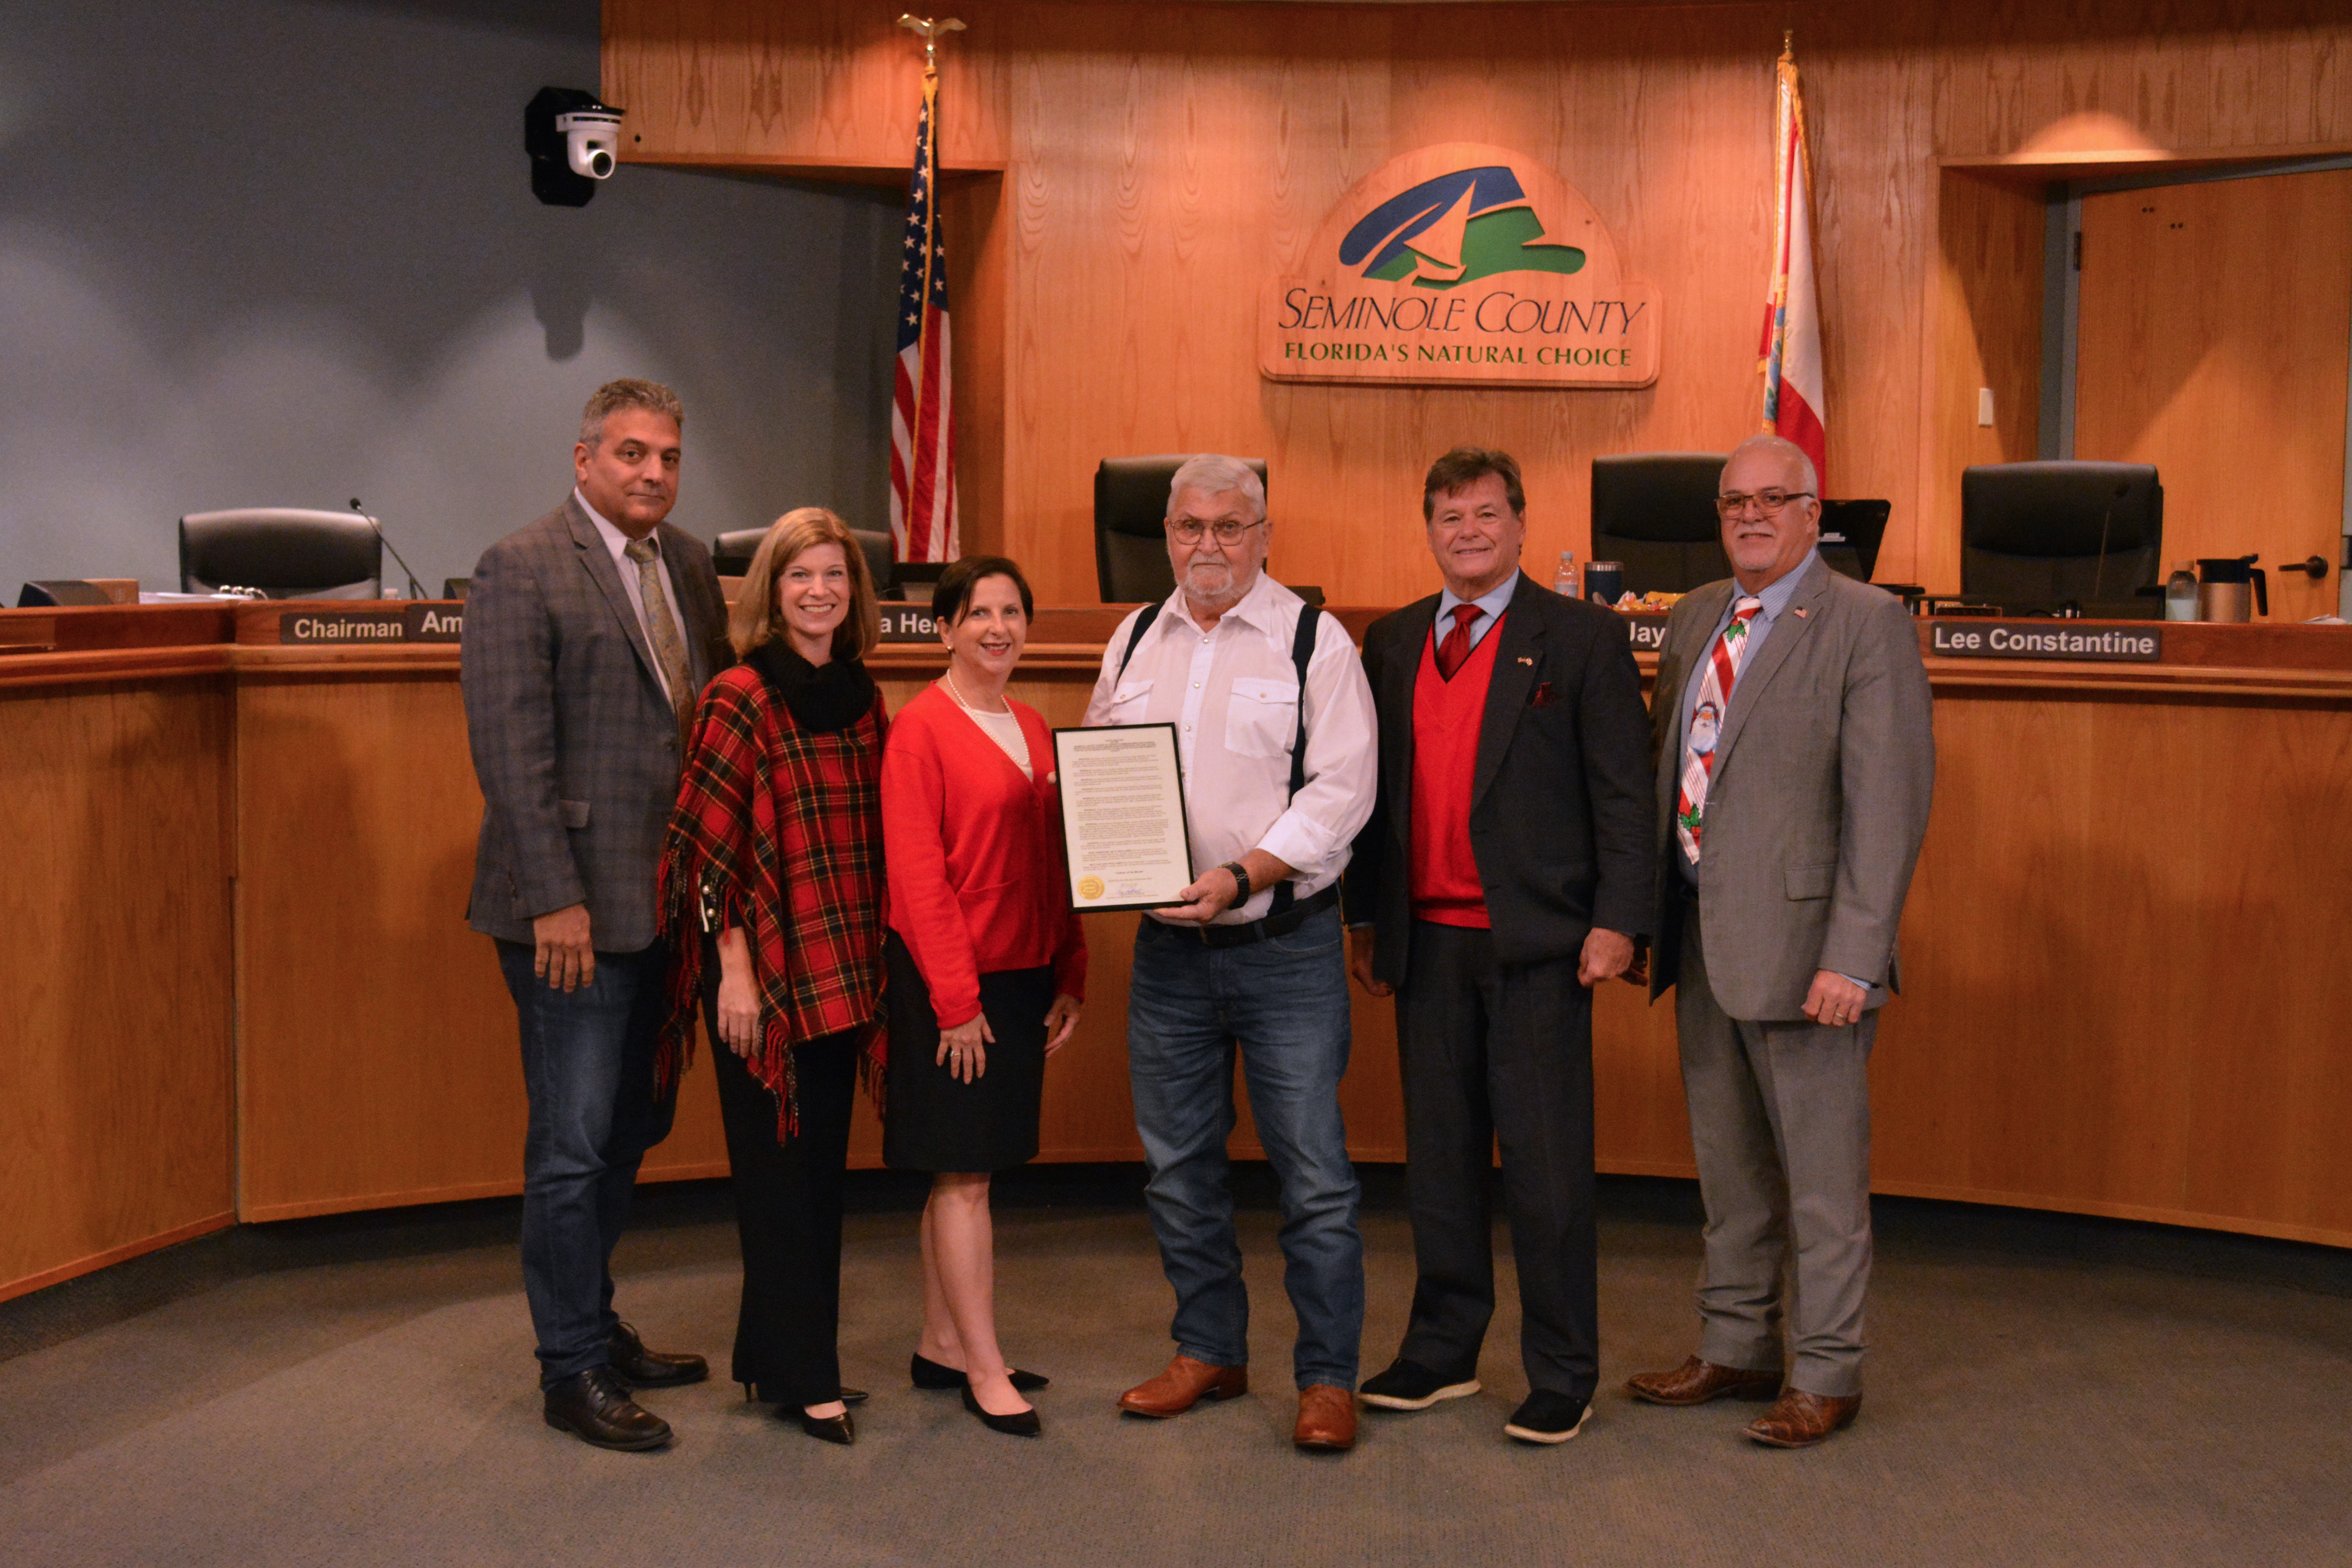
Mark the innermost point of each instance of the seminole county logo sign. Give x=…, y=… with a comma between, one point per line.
x=1462, y=263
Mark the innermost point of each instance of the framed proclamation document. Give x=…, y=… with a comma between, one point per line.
x=1123, y=816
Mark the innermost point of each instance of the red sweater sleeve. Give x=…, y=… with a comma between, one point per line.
x=924, y=908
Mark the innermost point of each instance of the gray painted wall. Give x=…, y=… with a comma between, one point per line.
x=284, y=252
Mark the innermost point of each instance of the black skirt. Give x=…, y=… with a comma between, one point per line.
x=935, y=1120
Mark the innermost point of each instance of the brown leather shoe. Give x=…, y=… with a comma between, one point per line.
x=1799, y=1420
x=1696, y=1382
x=1185, y=1383
x=1327, y=1418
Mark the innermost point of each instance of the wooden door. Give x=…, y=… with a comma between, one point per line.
x=2215, y=329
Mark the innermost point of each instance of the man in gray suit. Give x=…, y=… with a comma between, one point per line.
x=1796, y=756
x=589, y=636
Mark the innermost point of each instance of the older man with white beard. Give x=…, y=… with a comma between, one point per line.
x=1274, y=731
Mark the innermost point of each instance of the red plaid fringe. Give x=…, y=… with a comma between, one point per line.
x=783, y=828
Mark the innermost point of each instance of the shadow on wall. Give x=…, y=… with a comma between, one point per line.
x=284, y=253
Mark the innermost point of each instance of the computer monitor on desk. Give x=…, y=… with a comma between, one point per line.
x=2049, y=536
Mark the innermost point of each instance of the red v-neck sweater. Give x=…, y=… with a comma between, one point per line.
x=973, y=855
x=1446, y=718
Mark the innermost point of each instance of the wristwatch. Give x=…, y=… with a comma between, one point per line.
x=1241, y=880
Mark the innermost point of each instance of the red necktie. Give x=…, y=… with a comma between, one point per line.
x=1456, y=646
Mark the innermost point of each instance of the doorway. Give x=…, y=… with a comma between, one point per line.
x=2213, y=339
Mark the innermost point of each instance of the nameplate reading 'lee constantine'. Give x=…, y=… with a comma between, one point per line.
x=426, y=622
x=2053, y=640
x=1123, y=816
x=1461, y=264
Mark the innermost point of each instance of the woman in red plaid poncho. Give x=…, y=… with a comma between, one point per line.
x=771, y=891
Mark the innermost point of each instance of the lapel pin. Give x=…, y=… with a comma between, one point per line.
x=1525, y=659
x=1799, y=612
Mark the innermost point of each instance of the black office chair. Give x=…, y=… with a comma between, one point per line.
x=285, y=552
x=1852, y=531
x=732, y=554
x=2044, y=535
x=1130, y=543
x=1655, y=511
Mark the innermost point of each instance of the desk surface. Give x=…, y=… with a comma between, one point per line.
x=58, y=647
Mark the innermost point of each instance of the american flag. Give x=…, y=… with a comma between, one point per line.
x=922, y=431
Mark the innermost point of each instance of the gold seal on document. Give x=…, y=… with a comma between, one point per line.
x=1090, y=887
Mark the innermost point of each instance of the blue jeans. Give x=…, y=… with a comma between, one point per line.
x=1284, y=1002
x=588, y=1067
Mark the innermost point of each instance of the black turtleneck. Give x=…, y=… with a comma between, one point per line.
x=821, y=697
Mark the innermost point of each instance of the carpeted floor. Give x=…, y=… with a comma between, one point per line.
x=2043, y=1390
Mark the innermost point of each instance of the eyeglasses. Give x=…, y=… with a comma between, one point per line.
x=1770, y=502
x=1188, y=530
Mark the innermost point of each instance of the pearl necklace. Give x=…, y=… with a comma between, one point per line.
x=955, y=691
x=1015, y=746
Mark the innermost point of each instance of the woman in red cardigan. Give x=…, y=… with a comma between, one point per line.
x=986, y=966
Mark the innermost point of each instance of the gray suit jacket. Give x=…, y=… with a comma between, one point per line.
x=574, y=745
x=1819, y=798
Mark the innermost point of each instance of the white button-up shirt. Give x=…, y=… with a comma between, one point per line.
x=1233, y=694
x=618, y=543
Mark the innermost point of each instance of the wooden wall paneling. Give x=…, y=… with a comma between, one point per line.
x=971, y=208
x=2209, y=74
x=1161, y=158
x=116, y=1133
x=835, y=85
x=1985, y=309
x=2094, y=1016
x=2216, y=321
x=2268, y=1109
x=379, y=1061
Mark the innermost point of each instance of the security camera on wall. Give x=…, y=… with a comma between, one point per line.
x=574, y=141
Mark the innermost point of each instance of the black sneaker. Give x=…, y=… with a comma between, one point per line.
x=1409, y=1386
x=1549, y=1417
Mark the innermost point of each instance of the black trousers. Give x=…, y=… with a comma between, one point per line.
x=788, y=1215
x=1498, y=1053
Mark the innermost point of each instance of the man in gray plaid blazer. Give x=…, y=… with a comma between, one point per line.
x=589, y=636
x=1794, y=732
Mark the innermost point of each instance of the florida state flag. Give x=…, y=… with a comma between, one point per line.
x=1791, y=348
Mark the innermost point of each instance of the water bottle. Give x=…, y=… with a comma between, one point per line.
x=2180, y=595
x=1564, y=581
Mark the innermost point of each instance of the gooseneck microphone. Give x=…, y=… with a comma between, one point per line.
x=414, y=592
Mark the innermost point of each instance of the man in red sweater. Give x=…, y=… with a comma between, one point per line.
x=1505, y=870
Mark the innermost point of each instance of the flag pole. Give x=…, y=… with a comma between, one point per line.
x=929, y=31
x=922, y=424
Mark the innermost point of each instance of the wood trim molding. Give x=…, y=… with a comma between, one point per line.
x=13, y=1289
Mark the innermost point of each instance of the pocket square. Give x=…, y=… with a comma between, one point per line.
x=1543, y=696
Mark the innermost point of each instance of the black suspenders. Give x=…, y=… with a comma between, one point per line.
x=1302, y=649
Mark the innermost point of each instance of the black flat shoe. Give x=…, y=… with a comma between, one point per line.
x=929, y=1373
x=827, y=1428
x=1024, y=1424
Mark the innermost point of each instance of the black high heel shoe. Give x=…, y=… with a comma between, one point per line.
x=827, y=1428
x=929, y=1373
x=1024, y=1424
x=848, y=1396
